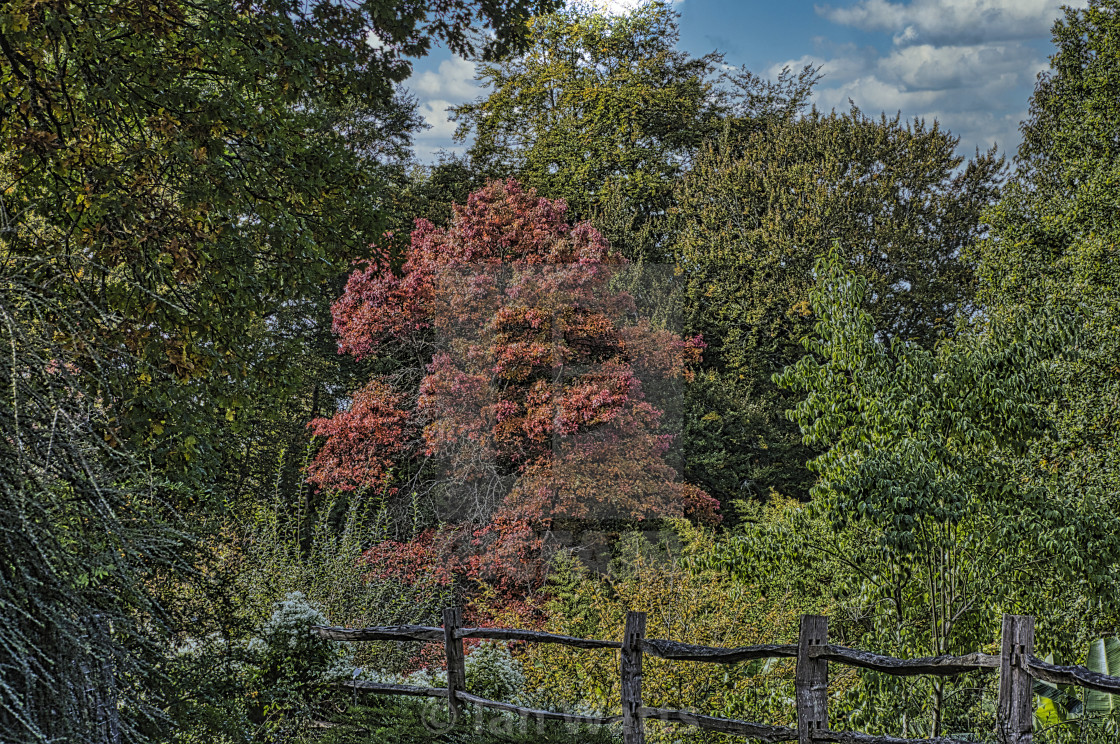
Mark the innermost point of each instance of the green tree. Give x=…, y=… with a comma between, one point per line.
x=598, y=103
x=754, y=211
x=431, y=191
x=1055, y=240
x=174, y=179
x=195, y=166
x=919, y=479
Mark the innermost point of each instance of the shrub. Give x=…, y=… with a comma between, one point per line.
x=493, y=673
x=667, y=576
x=262, y=690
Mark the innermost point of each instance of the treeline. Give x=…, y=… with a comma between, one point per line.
x=665, y=338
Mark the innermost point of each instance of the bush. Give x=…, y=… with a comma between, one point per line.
x=667, y=576
x=324, y=558
x=265, y=689
x=493, y=673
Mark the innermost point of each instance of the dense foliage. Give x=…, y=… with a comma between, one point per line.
x=666, y=338
x=195, y=166
x=923, y=457
x=1054, y=244
x=754, y=213
x=597, y=102
x=171, y=176
x=86, y=529
x=524, y=409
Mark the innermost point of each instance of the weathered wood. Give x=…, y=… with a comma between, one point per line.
x=943, y=666
x=630, y=667
x=1016, y=663
x=503, y=634
x=1060, y=674
x=854, y=737
x=811, y=679
x=383, y=688
x=456, y=661
x=1015, y=685
x=550, y=715
x=755, y=731
x=690, y=652
x=387, y=633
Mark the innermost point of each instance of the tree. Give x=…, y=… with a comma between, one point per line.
x=530, y=414
x=597, y=103
x=673, y=579
x=1054, y=242
x=192, y=168
x=919, y=478
x=754, y=211
x=173, y=177
x=86, y=536
x=431, y=191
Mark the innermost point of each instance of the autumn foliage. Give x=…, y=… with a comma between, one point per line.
x=532, y=397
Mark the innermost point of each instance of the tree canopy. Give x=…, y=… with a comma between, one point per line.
x=665, y=338
x=195, y=166
x=530, y=411
x=174, y=178
x=597, y=103
x=755, y=211
x=1055, y=235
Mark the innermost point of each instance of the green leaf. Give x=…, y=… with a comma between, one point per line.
x=1104, y=657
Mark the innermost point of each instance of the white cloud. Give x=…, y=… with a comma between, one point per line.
x=841, y=63
x=451, y=84
x=429, y=142
x=455, y=79
x=965, y=63
x=988, y=67
x=435, y=114
x=952, y=21
x=377, y=42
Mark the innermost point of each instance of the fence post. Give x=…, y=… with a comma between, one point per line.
x=1015, y=682
x=811, y=679
x=456, y=664
x=633, y=726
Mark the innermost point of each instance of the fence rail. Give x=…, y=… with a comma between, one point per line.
x=501, y=634
x=943, y=666
x=1016, y=664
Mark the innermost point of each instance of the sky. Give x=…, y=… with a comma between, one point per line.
x=969, y=64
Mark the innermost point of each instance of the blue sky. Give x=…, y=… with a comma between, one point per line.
x=970, y=64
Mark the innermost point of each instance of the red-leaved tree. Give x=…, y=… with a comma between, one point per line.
x=531, y=399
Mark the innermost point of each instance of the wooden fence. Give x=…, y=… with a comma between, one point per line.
x=1016, y=664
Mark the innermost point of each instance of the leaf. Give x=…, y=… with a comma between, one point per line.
x=1104, y=657
x=1057, y=704
x=1048, y=713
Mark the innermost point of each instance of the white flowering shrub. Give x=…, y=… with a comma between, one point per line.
x=424, y=677
x=218, y=673
x=265, y=689
x=287, y=645
x=493, y=673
